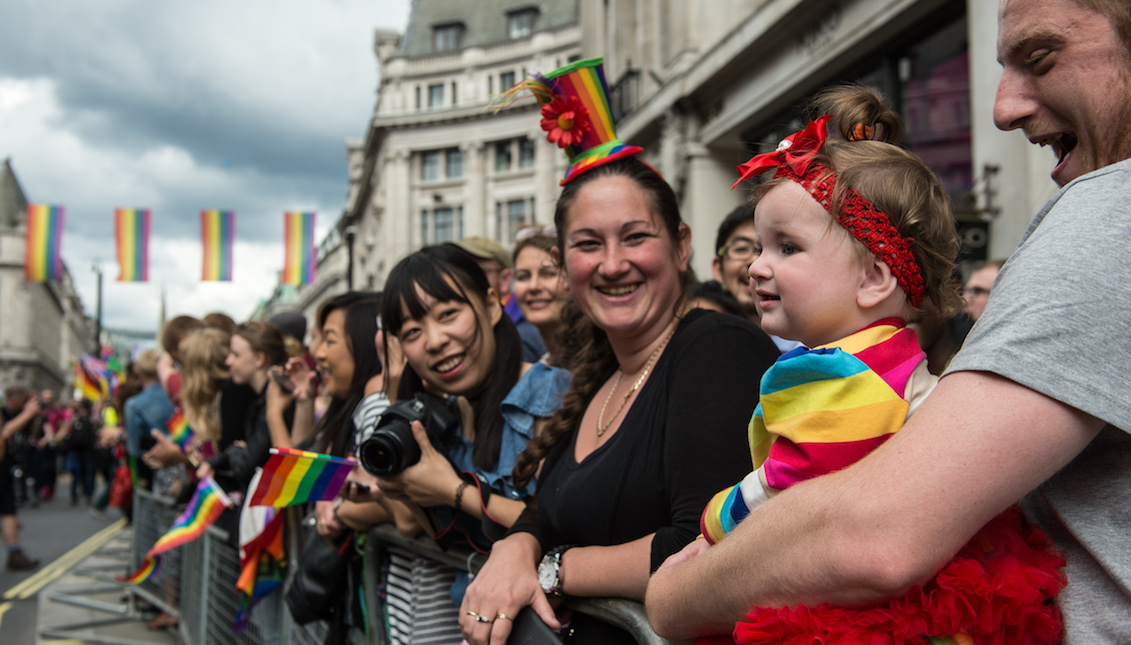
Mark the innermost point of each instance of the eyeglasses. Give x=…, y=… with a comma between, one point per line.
x=975, y=291
x=739, y=251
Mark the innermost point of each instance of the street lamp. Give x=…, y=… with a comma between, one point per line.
x=97, y=309
x=349, y=231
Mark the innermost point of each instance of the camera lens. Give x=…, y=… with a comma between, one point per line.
x=389, y=450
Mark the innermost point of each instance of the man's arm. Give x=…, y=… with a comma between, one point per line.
x=979, y=443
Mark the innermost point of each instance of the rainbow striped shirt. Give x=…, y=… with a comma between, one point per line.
x=822, y=410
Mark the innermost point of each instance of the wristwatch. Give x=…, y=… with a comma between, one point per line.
x=550, y=571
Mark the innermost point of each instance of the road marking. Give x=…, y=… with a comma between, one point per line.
x=3, y=610
x=64, y=563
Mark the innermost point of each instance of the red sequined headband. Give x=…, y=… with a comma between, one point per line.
x=795, y=159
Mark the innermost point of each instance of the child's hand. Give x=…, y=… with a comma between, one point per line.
x=690, y=551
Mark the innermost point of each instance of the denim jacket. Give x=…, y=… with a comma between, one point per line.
x=537, y=394
x=148, y=410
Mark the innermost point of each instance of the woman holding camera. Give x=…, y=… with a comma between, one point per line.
x=461, y=347
x=656, y=416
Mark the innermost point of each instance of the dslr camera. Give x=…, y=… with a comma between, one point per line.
x=390, y=447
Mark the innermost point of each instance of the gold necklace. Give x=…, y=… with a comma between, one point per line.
x=635, y=386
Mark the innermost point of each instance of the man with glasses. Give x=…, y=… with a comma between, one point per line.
x=734, y=253
x=978, y=285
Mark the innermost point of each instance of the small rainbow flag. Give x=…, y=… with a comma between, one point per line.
x=43, y=255
x=207, y=503
x=131, y=230
x=148, y=569
x=298, y=265
x=263, y=568
x=217, y=233
x=179, y=429
x=297, y=476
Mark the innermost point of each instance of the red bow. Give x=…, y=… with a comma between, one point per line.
x=796, y=151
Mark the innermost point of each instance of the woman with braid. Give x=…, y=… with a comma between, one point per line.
x=653, y=422
x=855, y=240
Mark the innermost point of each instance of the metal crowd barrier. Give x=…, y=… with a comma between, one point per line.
x=626, y=614
x=206, y=570
x=153, y=514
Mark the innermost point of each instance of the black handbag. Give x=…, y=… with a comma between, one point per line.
x=319, y=588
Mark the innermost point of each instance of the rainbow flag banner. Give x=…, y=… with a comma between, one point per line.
x=43, y=255
x=179, y=429
x=206, y=505
x=131, y=230
x=297, y=476
x=217, y=234
x=298, y=264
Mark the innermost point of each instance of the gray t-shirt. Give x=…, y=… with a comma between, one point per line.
x=1058, y=322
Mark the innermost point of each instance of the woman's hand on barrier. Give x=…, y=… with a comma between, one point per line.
x=506, y=584
x=686, y=553
x=429, y=482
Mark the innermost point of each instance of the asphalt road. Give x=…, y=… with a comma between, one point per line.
x=48, y=533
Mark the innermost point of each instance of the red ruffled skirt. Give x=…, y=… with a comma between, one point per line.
x=998, y=589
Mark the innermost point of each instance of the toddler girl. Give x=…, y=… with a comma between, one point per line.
x=855, y=240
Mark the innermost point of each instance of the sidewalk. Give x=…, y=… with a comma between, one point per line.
x=87, y=605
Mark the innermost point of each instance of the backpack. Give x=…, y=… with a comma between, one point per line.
x=82, y=434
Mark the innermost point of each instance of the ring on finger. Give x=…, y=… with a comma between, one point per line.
x=502, y=616
x=472, y=614
x=482, y=619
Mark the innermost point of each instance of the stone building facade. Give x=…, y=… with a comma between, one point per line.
x=436, y=164
x=702, y=90
x=42, y=325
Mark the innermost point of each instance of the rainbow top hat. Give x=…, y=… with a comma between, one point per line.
x=576, y=114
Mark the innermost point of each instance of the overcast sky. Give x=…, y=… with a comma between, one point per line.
x=183, y=106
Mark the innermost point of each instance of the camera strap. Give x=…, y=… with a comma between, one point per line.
x=492, y=529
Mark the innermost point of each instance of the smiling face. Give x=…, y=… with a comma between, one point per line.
x=1065, y=82
x=243, y=361
x=732, y=269
x=452, y=347
x=538, y=287
x=335, y=360
x=808, y=273
x=622, y=267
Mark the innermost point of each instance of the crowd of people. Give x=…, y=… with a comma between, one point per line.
x=768, y=456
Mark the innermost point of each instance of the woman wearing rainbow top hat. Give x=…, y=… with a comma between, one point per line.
x=653, y=423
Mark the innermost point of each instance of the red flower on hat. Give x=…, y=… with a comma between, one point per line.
x=566, y=119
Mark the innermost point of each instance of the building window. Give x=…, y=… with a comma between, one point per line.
x=506, y=81
x=430, y=165
x=526, y=153
x=520, y=24
x=515, y=218
x=424, y=227
x=443, y=226
x=455, y=95
x=453, y=161
x=502, y=156
x=418, y=97
x=446, y=37
x=436, y=95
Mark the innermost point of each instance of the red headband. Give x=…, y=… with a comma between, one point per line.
x=795, y=158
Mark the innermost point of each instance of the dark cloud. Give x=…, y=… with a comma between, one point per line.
x=183, y=106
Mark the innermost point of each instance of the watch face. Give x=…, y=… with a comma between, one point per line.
x=547, y=575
